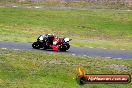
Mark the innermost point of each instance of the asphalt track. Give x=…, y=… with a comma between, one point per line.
x=85, y=51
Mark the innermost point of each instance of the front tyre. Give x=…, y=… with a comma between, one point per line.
x=67, y=46
x=64, y=47
x=36, y=45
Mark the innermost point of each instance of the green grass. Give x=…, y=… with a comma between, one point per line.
x=96, y=28
x=33, y=69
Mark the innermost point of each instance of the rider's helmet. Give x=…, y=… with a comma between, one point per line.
x=49, y=35
x=50, y=38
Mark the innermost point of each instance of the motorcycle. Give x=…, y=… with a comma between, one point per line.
x=44, y=42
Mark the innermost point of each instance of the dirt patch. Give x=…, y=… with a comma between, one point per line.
x=119, y=67
x=55, y=61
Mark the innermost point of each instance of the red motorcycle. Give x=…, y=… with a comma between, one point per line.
x=46, y=42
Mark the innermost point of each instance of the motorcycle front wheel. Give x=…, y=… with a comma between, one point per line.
x=64, y=47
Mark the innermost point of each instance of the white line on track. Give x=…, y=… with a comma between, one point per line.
x=16, y=49
x=3, y=48
x=91, y=47
x=29, y=7
x=104, y=48
x=37, y=7
x=15, y=6
x=73, y=54
x=108, y=57
x=123, y=49
x=84, y=55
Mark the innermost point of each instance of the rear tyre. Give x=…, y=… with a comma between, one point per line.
x=36, y=45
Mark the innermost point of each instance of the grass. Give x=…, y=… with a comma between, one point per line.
x=32, y=69
x=96, y=28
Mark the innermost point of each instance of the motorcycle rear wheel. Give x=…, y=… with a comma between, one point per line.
x=36, y=45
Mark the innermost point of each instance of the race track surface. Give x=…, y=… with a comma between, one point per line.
x=85, y=51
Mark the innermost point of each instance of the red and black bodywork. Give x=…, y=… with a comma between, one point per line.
x=46, y=42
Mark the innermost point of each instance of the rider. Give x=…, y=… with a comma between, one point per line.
x=55, y=40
